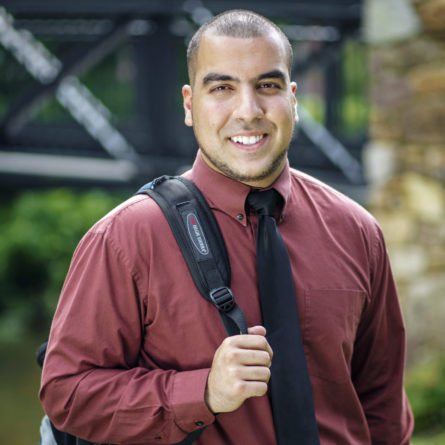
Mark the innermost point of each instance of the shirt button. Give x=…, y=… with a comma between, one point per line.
x=240, y=216
x=199, y=423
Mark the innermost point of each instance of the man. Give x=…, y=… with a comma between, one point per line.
x=136, y=356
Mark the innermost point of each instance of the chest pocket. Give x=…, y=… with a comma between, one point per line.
x=329, y=328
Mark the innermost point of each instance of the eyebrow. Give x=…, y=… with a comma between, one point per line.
x=275, y=74
x=216, y=77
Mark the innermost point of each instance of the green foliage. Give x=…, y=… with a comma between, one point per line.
x=425, y=386
x=434, y=439
x=314, y=105
x=39, y=232
x=352, y=110
x=354, y=107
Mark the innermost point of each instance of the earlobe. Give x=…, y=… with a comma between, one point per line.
x=187, y=99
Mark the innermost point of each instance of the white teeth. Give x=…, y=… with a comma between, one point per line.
x=247, y=140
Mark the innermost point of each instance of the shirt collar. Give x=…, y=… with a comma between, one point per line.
x=229, y=195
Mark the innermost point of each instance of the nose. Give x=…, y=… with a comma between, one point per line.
x=248, y=107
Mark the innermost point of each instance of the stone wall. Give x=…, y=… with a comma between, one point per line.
x=405, y=159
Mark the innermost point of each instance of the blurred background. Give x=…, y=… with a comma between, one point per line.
x=90, y=109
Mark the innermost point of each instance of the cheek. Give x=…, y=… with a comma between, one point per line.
x=219, y=110
x=279, y=106
x=215, y=116
x=284, y=115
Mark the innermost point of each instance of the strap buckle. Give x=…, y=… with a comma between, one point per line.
x=223, y=298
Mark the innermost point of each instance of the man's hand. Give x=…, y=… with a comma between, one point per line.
x=240, y=370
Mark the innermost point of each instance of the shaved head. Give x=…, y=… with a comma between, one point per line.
x=235, y=23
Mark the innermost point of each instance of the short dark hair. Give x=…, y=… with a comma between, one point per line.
x=235, y=23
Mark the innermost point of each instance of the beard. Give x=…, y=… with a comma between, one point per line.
x=239, y=176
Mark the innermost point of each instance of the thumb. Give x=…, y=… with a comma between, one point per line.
x=257, y=330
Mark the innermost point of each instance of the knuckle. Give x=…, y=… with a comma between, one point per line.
x=233, y=372
x=262, y=374
x=265, y=358
x=239, y=388
x=232, y=355
x=229, y=341
x=262, y=389
x=262, y=358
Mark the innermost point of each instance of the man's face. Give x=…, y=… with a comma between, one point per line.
x=242, y=106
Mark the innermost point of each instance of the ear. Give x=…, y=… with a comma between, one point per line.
x=187, y=100
x=293, y=86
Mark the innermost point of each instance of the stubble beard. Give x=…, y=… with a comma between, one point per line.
x=230, y=172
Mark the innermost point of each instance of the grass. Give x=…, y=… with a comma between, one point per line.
x=20, y=410
x=434, y=439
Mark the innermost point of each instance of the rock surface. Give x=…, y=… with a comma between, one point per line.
x=405, y=163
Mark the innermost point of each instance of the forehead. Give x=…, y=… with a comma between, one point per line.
x=240, y=57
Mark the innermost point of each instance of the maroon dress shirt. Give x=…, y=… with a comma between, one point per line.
x=132, y=339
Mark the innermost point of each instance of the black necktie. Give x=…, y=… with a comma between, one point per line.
x=291, y=392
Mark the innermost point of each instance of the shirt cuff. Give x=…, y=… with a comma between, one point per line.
x=190, y=409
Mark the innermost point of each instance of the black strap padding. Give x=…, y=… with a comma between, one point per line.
x=178, y=197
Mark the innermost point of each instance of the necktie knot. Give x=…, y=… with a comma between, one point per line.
x=264, y=203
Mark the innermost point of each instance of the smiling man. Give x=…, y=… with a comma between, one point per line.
x=241, y=105
x=136, y=356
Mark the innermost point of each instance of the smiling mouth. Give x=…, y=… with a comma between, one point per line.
x=248, y=140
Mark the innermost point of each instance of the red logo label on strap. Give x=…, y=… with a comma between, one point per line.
x=196, y=234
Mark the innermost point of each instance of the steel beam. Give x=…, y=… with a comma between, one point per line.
x=157, y=78
x=76, y=63
x=292, y=10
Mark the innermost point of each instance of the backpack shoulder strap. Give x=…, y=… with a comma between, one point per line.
x=198, y=236
x=201, y=242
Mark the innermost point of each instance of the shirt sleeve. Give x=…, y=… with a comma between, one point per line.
x=379, y=357
x=93, y=385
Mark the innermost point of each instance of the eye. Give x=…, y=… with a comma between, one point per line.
x=270, y=86
x=220, y=88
